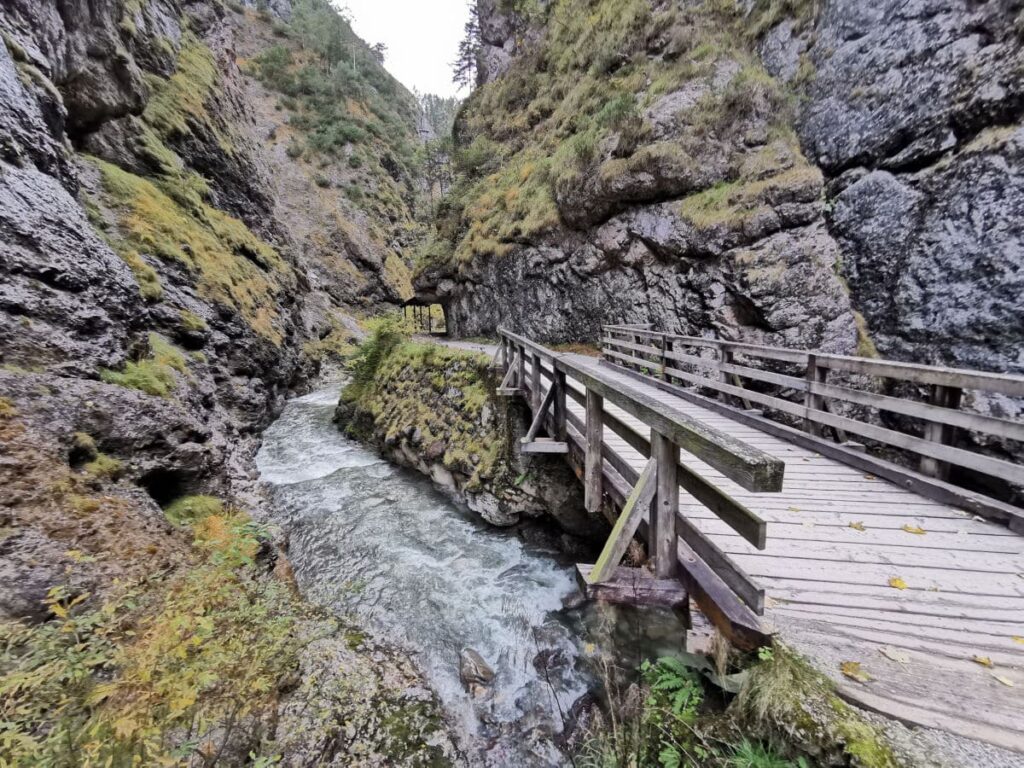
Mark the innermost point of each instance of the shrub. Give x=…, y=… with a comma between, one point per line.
x=153, y=375
x=321, y=181
x=293, y=150
x=104, y=467
x=192, y=509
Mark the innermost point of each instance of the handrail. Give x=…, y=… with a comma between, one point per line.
x=750, y=467
x=640, y=348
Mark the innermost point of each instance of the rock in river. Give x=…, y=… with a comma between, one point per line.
x=474, y=672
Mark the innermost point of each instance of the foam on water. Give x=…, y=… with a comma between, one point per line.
x=376, y=542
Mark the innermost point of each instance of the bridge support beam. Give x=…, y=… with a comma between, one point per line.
x=662, y=540
x=592, y=473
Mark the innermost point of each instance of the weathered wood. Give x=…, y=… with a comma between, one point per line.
x=734, y=620
x=538, y=415
x=559, y=408
x=943, y=397
x=813, y=402
x=666, y=505
x=592, y=483
x=722, y=564
x=544, y=445
x=636, y=508
x=749, y=467
x=536, y=374
x=521, y=368
x=632, y=586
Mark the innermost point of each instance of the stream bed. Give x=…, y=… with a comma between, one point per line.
x=380, y=545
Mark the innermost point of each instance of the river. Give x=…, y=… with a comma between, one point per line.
x=379, y=544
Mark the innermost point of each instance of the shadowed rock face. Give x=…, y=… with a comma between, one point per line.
x=916, y=110
x=900, y=199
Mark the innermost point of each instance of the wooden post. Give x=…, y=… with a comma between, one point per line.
x=430, y=327
x=561, y=434
x=945, y=397
x=813, y=402
x=593, y=462
x=664, y=360
x=521, y=369
x=668, y=348
x=725, y=357
x=536, y=394
x=662, y=541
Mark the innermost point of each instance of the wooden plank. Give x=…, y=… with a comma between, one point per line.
x=990, y=425
x=559, y=408
x=734, y=620
x=544, y=445
x=538, y=416
x=666, y=504
x=1003, y=383
x=637, y=506
x=632, y=586
x=735, y=514
x=749, y=467
x=908, y=479
x=723, y=565
x=592, y=481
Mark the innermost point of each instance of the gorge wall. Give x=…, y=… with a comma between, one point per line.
x=182, y=242
x=837, y=175
x=197, y=200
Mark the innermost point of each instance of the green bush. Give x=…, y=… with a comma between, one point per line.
x=192, y=509
x=321, y=181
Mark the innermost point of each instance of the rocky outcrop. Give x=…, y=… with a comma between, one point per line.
x=765, y=174
x=433, y=409
x=914, y=112
x=668, y=188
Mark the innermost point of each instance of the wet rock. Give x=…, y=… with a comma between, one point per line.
x=474, y=672
x=491, y=509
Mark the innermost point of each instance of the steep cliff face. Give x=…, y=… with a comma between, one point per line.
x=161, y=291
x=809, y=174
x=157, y=294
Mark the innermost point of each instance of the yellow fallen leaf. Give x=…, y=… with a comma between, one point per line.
x=793, y=509
x=894, y=654
x=853, y=671
x=985, y=661
x=914, y=529
x=1019, y=640
x=869, y=477
x=858, y=526
x=1003, y=680
x=897, y=583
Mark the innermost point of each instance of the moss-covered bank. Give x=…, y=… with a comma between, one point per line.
x=434, y=409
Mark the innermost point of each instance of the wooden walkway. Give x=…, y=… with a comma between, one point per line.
x=928, y=599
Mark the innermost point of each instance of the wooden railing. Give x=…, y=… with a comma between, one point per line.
x=676, y=547
x=796, y=383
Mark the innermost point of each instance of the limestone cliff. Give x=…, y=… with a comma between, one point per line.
x=159, y=298
x=812, y=174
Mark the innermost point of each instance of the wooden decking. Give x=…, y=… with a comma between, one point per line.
x=838, y=541
x=840, y=563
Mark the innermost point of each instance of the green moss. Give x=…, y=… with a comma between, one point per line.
x=7, y=409
x=84, y=447
x=232, y=266
x=191, y=509
x=104, y=467
x=190, y=321
x=865, y=346
x=153, y=375
x=731, y=203
x=179, y=102
x=784, y=698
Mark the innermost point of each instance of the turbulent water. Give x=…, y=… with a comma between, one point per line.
x=379, y=543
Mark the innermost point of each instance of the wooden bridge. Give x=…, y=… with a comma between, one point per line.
x=775, y=522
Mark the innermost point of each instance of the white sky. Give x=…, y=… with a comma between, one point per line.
x=422, y=37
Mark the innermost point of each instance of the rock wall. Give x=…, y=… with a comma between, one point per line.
x=155, y=294
x=809, y=174
x=434, y=409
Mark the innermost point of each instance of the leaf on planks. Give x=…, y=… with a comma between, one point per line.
x=897, y=583
x=858, y=526
x=852, y=670
x=914, y=529
x=985, y=661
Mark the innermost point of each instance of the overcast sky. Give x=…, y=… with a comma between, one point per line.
x=422, y=37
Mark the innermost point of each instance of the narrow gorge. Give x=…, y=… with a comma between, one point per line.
x=255, y=512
